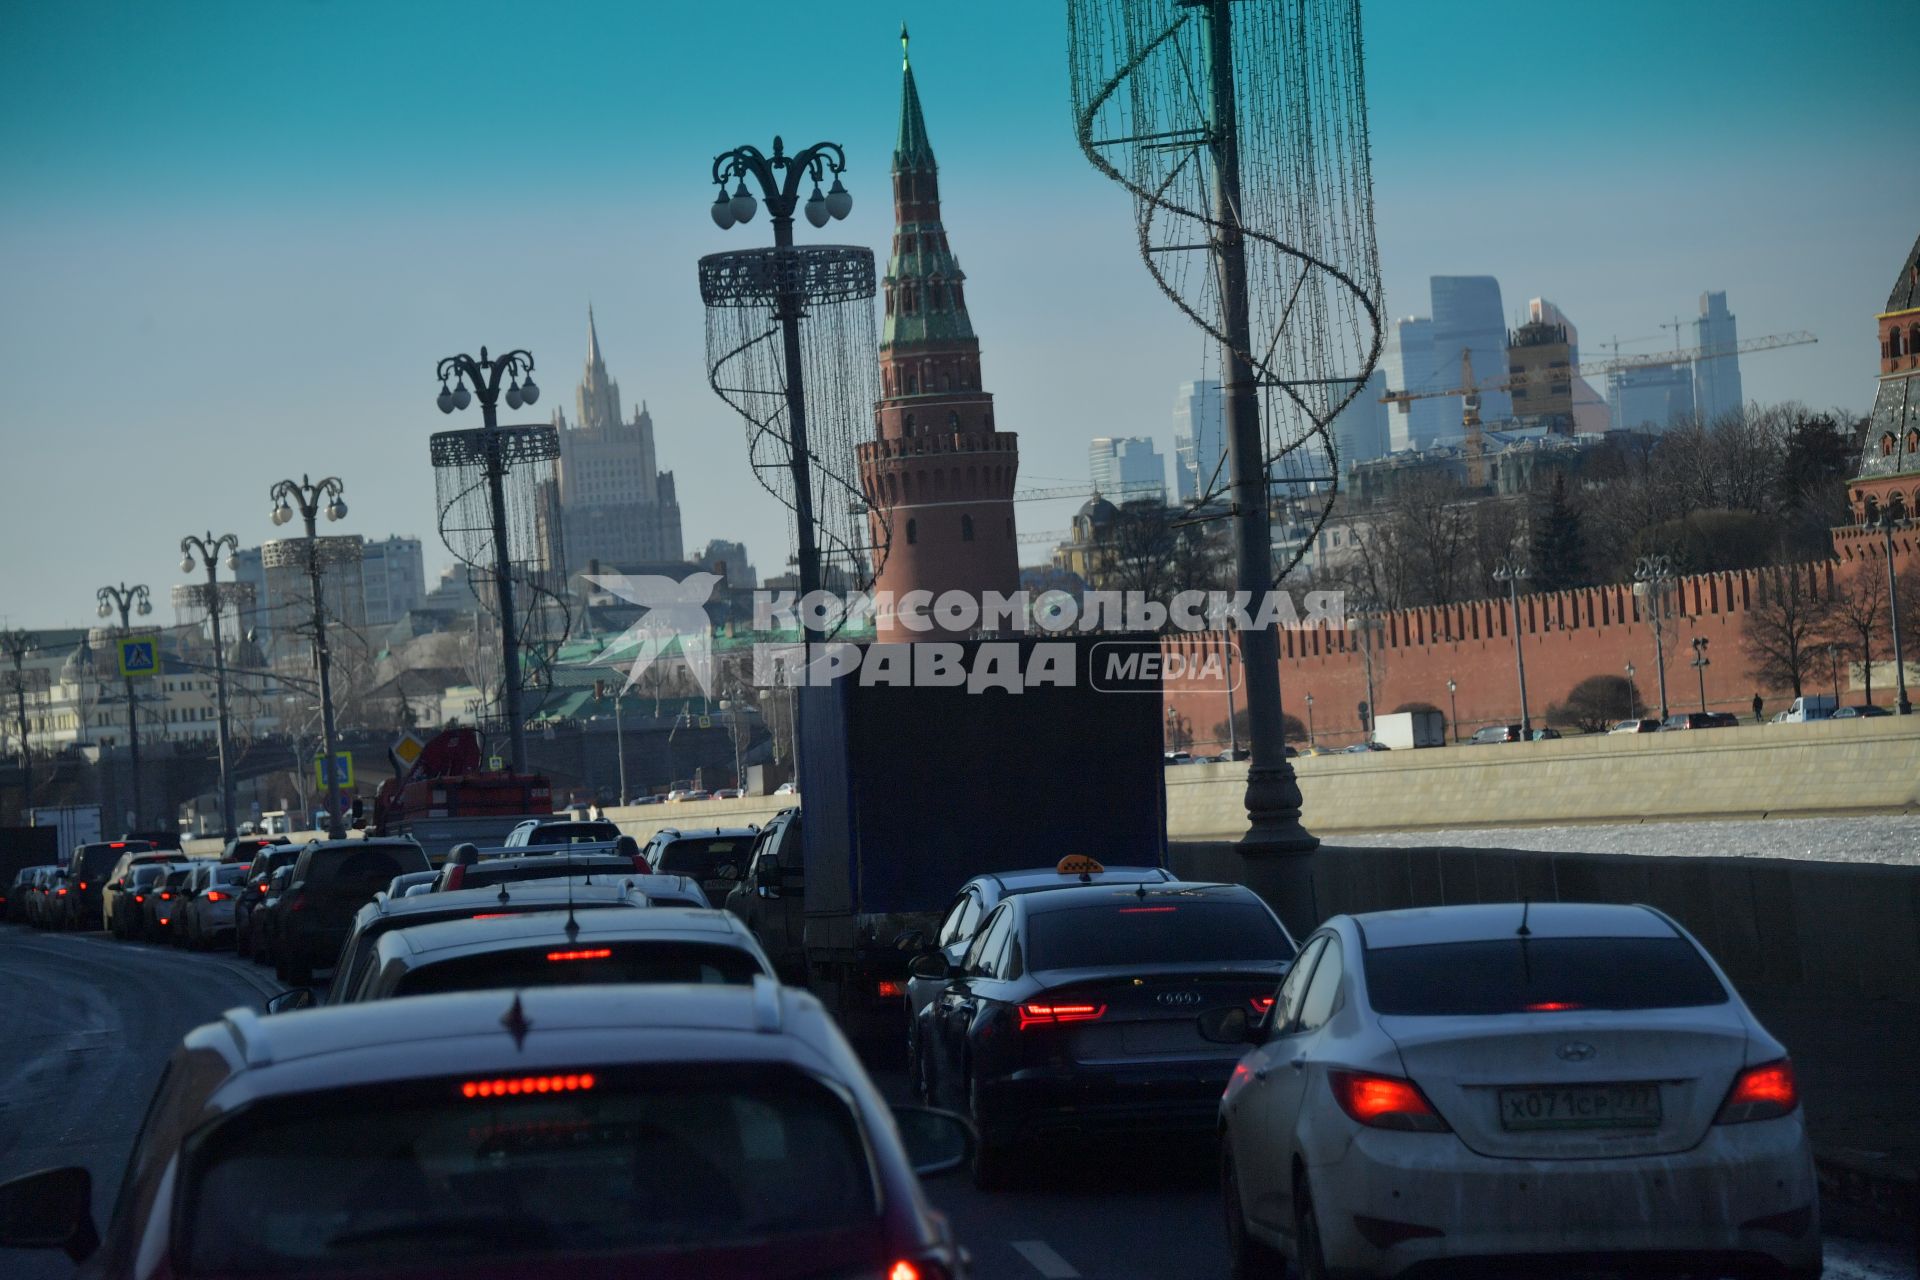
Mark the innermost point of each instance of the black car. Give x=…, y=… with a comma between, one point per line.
x=715, y=856
x=331, y=880
x=165, y=899
x=246, y=848
x=129, y=919
x=1075, y=1011
x=89, y=867
x=246, y=930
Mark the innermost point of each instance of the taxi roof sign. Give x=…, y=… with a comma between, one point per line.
x=1079, y=864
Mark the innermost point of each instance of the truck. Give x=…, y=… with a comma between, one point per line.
x=77, y=824
x=1405, y=730
x=1812, y=706
x=913, y=789
x=449, y=796
x=35, y=846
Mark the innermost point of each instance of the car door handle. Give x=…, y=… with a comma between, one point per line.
x=1260, y=1072
x=1298, y=1062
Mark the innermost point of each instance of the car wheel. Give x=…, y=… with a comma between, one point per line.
x=1249, y=1259
x=1306, y=1227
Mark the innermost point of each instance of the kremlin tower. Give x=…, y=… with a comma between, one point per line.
x=938, y=469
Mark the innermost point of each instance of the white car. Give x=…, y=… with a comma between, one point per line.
x=1510, y=1083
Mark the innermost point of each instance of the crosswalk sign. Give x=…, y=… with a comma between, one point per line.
x=706, y=722
x=342, y=768
x=139, y=656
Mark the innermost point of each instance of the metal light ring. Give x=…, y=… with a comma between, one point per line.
x=820, y=273
x=471, y=447
x=292, y=553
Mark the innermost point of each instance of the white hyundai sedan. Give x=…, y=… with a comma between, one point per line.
x=1504, y=1086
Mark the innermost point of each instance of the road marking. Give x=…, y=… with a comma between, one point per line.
x=1044, y=1259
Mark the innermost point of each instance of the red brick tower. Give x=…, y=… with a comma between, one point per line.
x=938, y=468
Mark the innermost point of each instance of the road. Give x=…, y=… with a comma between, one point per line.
x=90, y=1022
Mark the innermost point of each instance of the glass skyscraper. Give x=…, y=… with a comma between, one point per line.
x=1716, y=379
x=1199, y=440
x=1467, y=316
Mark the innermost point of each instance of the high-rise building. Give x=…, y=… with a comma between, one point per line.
x=939, y=472
x=1127, y=468
x=729, y=560
x=1716, y=379
x=1199, y=440
x=1360, y=430
x=1540, y=359
x=393, y=579
x=1409, y=365
x=1468, y=316
x=1651, y=398
x=616, y=507
x=1590, y=413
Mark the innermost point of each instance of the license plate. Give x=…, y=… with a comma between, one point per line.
x=1601, y=1106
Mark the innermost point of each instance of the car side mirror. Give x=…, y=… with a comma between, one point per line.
x=288, y=1001
x=51, y=1209
x=936, y=1142
x=933, y=965
x=1228, y=1025
x=911, y=940
x=767, y=877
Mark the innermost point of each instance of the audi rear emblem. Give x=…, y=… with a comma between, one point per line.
x=1575, y=1051
x=1183, y=999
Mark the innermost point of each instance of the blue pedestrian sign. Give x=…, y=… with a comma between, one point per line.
x=342, y=769
x=139, y=656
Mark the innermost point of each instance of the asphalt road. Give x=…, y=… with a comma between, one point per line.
x=88, y=1023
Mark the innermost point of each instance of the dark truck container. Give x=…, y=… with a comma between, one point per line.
x=909, y=791
x=25, y=847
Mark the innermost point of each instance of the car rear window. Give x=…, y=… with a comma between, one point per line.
x=363, y=871
x=585, y=963
x=92, y=860
x=147, y=872
x=568, y=832
x=1515, y=975
x=230, y=873
x=1154, y=931
x=655, y=1162
x=701, y=858
x=480, y=874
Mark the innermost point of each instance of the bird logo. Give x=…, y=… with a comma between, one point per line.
x=675, y=611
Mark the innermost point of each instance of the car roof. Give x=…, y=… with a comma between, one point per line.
x=532, y=928
x=708, y=833
x=519, y=894
x=1097, y=895
x=1033, y=879
x=1491, y=921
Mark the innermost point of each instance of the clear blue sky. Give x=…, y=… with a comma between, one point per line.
x=236, y=235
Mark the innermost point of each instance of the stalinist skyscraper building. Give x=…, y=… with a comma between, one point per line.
x=616, y=507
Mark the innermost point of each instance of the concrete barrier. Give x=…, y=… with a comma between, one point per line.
x=643, y=820
x=1858, y=766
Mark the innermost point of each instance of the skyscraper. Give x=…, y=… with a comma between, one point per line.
x=1652, y=398
x=1467, y=315
x=1716, y=379
x=1127, y=468
x=1199, y=440
x=615, y=506
x=939, y=471
x=393, y=578
x=1590, y=412
x=1409, y=364
x=1360, y=429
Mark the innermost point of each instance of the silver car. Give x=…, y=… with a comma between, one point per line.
x=1505, y=1083
x=207, y=918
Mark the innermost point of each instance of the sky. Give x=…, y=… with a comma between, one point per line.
x=235, y=236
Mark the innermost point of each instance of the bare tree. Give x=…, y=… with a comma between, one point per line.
x=1858, y=620
x=1782, y=632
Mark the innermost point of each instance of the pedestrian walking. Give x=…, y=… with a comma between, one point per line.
x=1758, y=707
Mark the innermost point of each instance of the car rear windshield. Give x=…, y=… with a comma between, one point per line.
x=569, y=832
x=481, y=874
x=659, y=1163
x=1154, y=931
x=146, y=873
x=230, y=873
x=1512, y=975
x=585, y=963
x=362, y=871
x=97, y=859
x=702, y=857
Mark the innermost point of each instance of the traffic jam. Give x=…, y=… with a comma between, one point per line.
x=580, y=1053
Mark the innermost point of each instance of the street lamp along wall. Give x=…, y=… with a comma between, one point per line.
x=128, y=600
x=208, y=549
x=314, y=553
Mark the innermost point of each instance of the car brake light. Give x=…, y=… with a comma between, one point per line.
x=1261, y=1005
x=83, y=886
x=1146, y=911
x=297, y=903
x=591, y=953
x=60, y=893
x=1553, y=1006
x=1765, y=1092
x=164, y=920
x=492, y=915
x=116, y=844
x=1384, y=1102
x=214, y=895
x=139, y=897
x=1033, y=1015
x=525, y=1085
x=888, y=989
x=903, y=1270
x=166, y=896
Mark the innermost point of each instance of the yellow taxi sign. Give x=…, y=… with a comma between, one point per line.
x=1079, y=864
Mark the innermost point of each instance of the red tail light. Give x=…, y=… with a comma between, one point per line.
x=640, y=864
x=1262, y=1005
x=83, y=886
x=1761, y=1093
x=1553, y=1006
x=164, y=897
x=593, y=953
x=164, y=920
x=888, y=989
x=1035, y=1015
x=116, y=844
x=1146, y=911
x=1384, y=1102
x=297, y=903
x=525, y=1085
x=214, y=895
x=139, y=897
x=60, y=893
x=457, y=876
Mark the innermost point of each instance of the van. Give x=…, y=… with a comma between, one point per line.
x=1812, y=706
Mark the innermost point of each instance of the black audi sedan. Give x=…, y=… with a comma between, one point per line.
x=1075, y=1011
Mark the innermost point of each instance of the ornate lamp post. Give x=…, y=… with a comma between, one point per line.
x=20, y=682
x=1652, y=574
x=314, y=553
x=1833, y=669
x=1633, y=694
x=129, y=600
x=779, y=178
x=494, y=449
x=1453, y=706
x=1309, y=701
x=1700, y=664
x=205, y=551
x=1513, y=572
x=1888, y=523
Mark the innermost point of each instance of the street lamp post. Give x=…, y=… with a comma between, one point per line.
x=129, y=600
x=1310, y=741
x=779, y=177
x=17, y=645
x=1633, y=694
x=1887, y=525
x=208, y=549
x=1652, y=574
x=1513, y=573
x=1700, y=664
x=1833, y=669
x=316, y=552
x=1453, y=707
x=497, y=449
